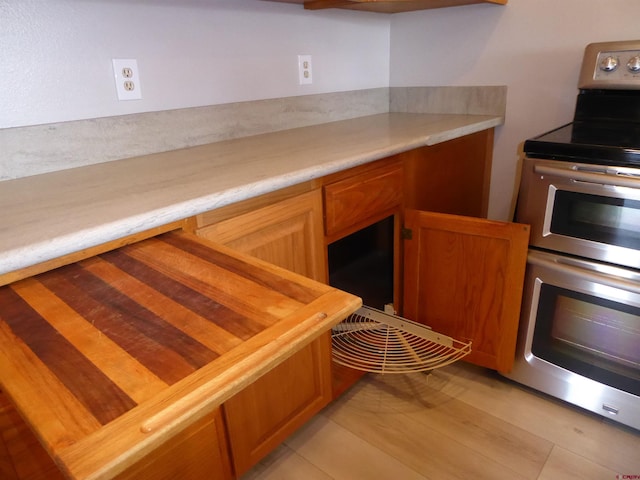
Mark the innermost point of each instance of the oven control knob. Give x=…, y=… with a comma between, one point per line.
x=634, y=64
x=609, y=64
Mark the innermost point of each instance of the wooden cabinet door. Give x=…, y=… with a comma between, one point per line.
x=200, y=451
x=263, y=415
x=463, y=277
x=288, y=234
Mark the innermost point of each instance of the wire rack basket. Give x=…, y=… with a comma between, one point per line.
x=377, y=342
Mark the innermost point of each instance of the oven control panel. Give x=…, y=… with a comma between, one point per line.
x=611, y=65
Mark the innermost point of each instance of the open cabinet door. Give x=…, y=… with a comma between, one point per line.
x=463, y=277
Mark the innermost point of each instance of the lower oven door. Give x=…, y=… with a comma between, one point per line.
x=580, y=335
x=588, y=210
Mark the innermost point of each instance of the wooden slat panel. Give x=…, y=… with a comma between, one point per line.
x=217, y=282
x=124, y=370
x=189, y=297
x=40, y=395
x=64, y=360
x=202, y=329
x=303, y=292
x=163, y=349
x=27, y=272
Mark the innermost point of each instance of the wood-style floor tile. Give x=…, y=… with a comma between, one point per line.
x=435, y=434
x=606, y=443
x=565, y=465
x=417, y=396
x=459, y=422
x=285, y=464
x=345, y=456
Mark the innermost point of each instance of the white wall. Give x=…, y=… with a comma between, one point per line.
x=534, y=47
x=55, y=55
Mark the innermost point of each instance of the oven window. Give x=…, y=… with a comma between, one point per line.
x=614, y=221
x=591, y=336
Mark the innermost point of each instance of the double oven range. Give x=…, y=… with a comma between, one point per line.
x=580, y=192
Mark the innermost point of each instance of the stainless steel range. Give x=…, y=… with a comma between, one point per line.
x=579, y=335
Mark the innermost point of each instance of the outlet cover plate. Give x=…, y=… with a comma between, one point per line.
x=305, y=76
x=127, y=77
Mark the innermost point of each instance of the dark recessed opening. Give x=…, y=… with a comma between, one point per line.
x=362, y=263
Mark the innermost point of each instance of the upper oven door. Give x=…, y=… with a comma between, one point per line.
x=587, y=210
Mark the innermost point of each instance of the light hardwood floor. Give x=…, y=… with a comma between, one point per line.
x=461, y=422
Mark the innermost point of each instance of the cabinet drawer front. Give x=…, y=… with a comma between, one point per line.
x=354, y=200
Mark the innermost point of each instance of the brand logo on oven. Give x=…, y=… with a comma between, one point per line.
x=628, y=477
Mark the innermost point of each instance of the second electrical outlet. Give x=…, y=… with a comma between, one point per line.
x=304, y=70
x=127, y=78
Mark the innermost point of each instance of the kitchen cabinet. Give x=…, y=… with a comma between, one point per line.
x=386, y=6
x=286, y=233
x=453, y=178
x=461, y=274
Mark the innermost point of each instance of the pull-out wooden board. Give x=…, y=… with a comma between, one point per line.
x=109, y=357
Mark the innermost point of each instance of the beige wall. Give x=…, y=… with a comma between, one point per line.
x=534, y=47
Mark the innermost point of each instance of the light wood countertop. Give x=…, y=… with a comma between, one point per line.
x=54, y=214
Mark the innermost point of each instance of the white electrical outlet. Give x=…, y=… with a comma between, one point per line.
x=127, y=76
x=305, y=76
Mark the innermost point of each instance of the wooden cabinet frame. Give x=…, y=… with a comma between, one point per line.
x=387, y=6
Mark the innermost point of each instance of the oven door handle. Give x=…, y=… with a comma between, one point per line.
x=565, y=265
x=608, y=176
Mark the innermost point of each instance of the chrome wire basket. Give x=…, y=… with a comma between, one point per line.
x=374, y=341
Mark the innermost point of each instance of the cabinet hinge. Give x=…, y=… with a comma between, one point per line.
x=406, y=233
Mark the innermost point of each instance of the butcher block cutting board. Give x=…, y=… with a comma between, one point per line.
x=109, y=357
